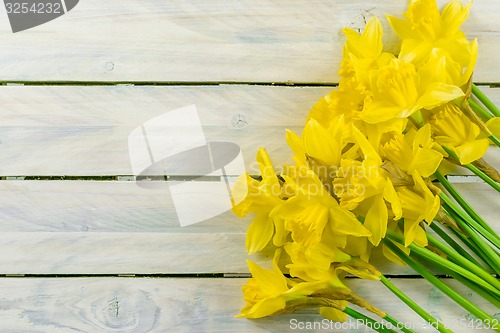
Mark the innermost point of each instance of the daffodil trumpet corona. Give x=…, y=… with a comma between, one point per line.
x=369, y=178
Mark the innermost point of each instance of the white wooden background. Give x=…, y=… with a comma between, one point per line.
x=97, y=253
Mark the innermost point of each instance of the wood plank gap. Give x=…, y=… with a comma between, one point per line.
x=191, y=276
x=169, y=83
x=177, y=178
x=190, y=83
x=134, y=275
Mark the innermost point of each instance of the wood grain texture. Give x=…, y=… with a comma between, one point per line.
x=244, y=41
x=117, y=227
x=192, y=305
x=77, y=130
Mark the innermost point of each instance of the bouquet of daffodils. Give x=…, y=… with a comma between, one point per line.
x=370, y=175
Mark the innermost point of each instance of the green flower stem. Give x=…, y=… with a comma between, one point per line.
x=457, y=247
x=414, y=306
x=375, y=325
x=485, y=100
x=474, y=169
x=483, y=176
x=490, y=283
x=471, y=285
x=488, y=251
x=494, y=140
x=472, y=246
x=479, y=110
x=459, y=299
x=474, y=287
x=463, y=262
x=491, y=237
x=461, y=201
x=397, y=324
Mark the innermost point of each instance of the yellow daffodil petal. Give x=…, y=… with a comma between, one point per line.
x=359, y=268
x=264, y=308
x=259, y=233
x=298, y=150
x=401, y=27
x=369, y=43
x=410, y=230
x=267, y=169
x=344, y=222
x=376, y=220
x=494, y=126
x=439, y=93
x=333, y=314
x=454, y=15
x=368, y=151
x=426, y=161
x=273, y=280
x=243, y=185
x=280, y=234
x=472, y=150
x=306, y=220
x=420, y=237
x=414, y=51
x=393, y=257
x=391, y=196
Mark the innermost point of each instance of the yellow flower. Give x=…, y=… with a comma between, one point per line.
x=419, y=204
x=313, y=263
x=494, y=126
x=454, y=130
x=426, y=29
x=269, y=292
x=260, y=197
x=364, y=51
x=323, y=145
x=312, y=208
x=264, y=293
x=319, y=149
x=449, y=70
x=366, y=181
x=414, y=150
x=347, y=100
x=399, y=91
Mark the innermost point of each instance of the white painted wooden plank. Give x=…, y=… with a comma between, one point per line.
x=66, y=130
x=257, y=41
x=85, y=130
x=95, y=206
x=195, y=305
x=134, y=253
x=75, y=227
x=86, y=207
x=121, y=253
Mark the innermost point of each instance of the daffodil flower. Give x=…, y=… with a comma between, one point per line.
x=346, y=101
x=366, y=181
x=452, y=129
x=414, y=150
x=311, y=209
x=313, y=263
x=268, y=292
x=399, y=91
x=365, y=51
x=260, y=197
x=419, y=204
x=426, y=29
x=319, y=149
